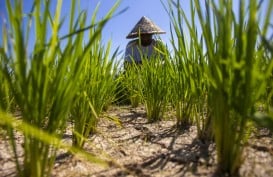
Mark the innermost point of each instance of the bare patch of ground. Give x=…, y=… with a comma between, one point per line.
x=138, y=148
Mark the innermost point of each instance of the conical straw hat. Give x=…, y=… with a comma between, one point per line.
x=144, y=26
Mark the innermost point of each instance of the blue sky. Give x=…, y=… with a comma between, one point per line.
x=119, y=26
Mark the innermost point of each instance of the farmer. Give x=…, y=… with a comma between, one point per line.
x=144, y=46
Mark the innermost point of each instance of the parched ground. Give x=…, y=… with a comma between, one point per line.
x=138, y=148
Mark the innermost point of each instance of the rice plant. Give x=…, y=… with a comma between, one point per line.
x=266, y=52
x=155, y=82
x=97, y=88
x=189, y=83
x=234, y=76
x=131, y=82
x=42, y=81
x=183, y=85
x=6, y=98
x=263, y=116
x=226, y=66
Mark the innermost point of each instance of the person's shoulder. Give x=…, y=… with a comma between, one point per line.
x=132, y=43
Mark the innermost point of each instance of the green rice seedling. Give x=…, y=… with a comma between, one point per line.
x=43, y=81
x=266, y=52
x=202, y=117
x=263, y=116
x=97, y=91
x=189, y=85
x=235, y=79
x=155, y=81
x=182, y=97
x=132, y=84
x=182, y=81
x=6, y=99
x=97, y=86
x=121, y=92
x=5, y=95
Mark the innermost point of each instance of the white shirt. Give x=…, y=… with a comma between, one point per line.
x=135, y=51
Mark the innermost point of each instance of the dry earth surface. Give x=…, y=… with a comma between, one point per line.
x=138, y=148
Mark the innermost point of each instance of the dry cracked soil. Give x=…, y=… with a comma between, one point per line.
x=138, y=148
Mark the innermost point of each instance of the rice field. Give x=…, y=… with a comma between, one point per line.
x=204, y=109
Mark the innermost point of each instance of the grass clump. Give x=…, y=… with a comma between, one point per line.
x=189, y=83
x=43, y=82
x=155, y=91
x=232, y=58
x=97, y=88
x=221, y=70
x=131, y=82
